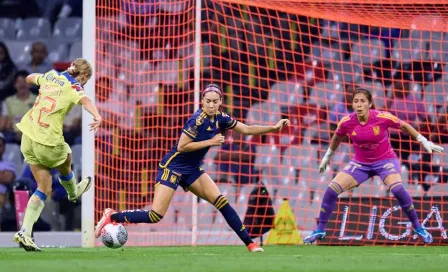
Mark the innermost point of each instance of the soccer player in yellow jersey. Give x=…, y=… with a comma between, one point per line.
x=43, y=145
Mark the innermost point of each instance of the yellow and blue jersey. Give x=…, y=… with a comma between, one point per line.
x=58, y=93
x=199, y=128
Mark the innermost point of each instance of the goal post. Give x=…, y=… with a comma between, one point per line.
x=88, y=138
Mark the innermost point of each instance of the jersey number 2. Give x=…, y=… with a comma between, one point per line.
x=44, y=109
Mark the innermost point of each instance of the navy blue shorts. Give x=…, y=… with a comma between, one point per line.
x=173, y=179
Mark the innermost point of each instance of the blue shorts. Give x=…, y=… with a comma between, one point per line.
x=172, y=179
x=362, y=171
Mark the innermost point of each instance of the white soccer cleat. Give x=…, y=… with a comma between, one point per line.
x=25, y=241
x=103, y=221
x=254, y=248
x=82, y=187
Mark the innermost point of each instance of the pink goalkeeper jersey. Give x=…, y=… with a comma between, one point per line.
x=371, y=140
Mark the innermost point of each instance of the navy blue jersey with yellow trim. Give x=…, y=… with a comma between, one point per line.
x=199, y=128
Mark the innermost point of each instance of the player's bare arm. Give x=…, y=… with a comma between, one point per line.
x=428, y=145
x=256, y=130
x=32, y=78
x=91, y=108
x=335, y=142
x=186, y=144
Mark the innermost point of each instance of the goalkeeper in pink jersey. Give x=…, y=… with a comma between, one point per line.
x=43, y=145
x=374, y=156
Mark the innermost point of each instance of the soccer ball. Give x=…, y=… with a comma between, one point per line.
x=114, y=235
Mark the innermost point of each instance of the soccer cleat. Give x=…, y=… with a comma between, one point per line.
x=424, y=234
x=82, y=187
x=314, y=236
x=25, y=241
x=103, y=221
x=252, y=247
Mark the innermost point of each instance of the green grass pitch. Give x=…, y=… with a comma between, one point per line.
x=227, y=258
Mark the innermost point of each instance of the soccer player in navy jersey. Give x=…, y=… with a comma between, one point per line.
x=374, y=156
x=182, y=166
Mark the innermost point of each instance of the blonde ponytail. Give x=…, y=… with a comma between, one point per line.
x=80, y=66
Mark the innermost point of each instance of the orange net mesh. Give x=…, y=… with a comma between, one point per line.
x=273, y=59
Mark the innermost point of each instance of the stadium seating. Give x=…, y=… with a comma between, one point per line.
x=13, y=154
x=57, y=51
x=326, y=53
x=286, y=93
x=167, y=72
x=77, y=160
x=7, y=29
x=435, y=93
x=172, y=6
x=19, y=50
x=408, y=50
x=32, y=29
x=259, y=114
x=68, y=30
x=63, y=41
x=323, y=92
x=368, y=51
x=439, y=50
x=345, y=72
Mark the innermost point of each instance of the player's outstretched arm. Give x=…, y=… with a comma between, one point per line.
x=428, y=145
x=89, y=106
x=32, y=78
x=257, y=130
x=334, y=144
x=186, y=143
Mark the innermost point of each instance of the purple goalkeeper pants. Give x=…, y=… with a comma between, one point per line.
x=361, y=172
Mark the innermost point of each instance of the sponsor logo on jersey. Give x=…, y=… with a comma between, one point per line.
x=390, y=166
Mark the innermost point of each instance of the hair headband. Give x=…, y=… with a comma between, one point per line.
x=212, y=89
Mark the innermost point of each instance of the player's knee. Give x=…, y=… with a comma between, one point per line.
x=336, y=187
x=395, y=186
x=42, y=194
x=45, y=189
x=220, y=202
x=155, y=217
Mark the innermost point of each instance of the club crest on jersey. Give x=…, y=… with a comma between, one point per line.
x=353, y=133
x=376, y=130
x=173, y=179
x=209, y=129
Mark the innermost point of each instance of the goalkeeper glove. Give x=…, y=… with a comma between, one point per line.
x=428, y=145
x=325, y=160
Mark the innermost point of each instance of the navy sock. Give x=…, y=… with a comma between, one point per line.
x=136, y=216
x=232, y=218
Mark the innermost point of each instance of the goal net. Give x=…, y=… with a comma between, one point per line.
x=273, y=59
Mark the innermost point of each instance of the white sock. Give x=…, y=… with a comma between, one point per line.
x=69, y=185
x=33, y=211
